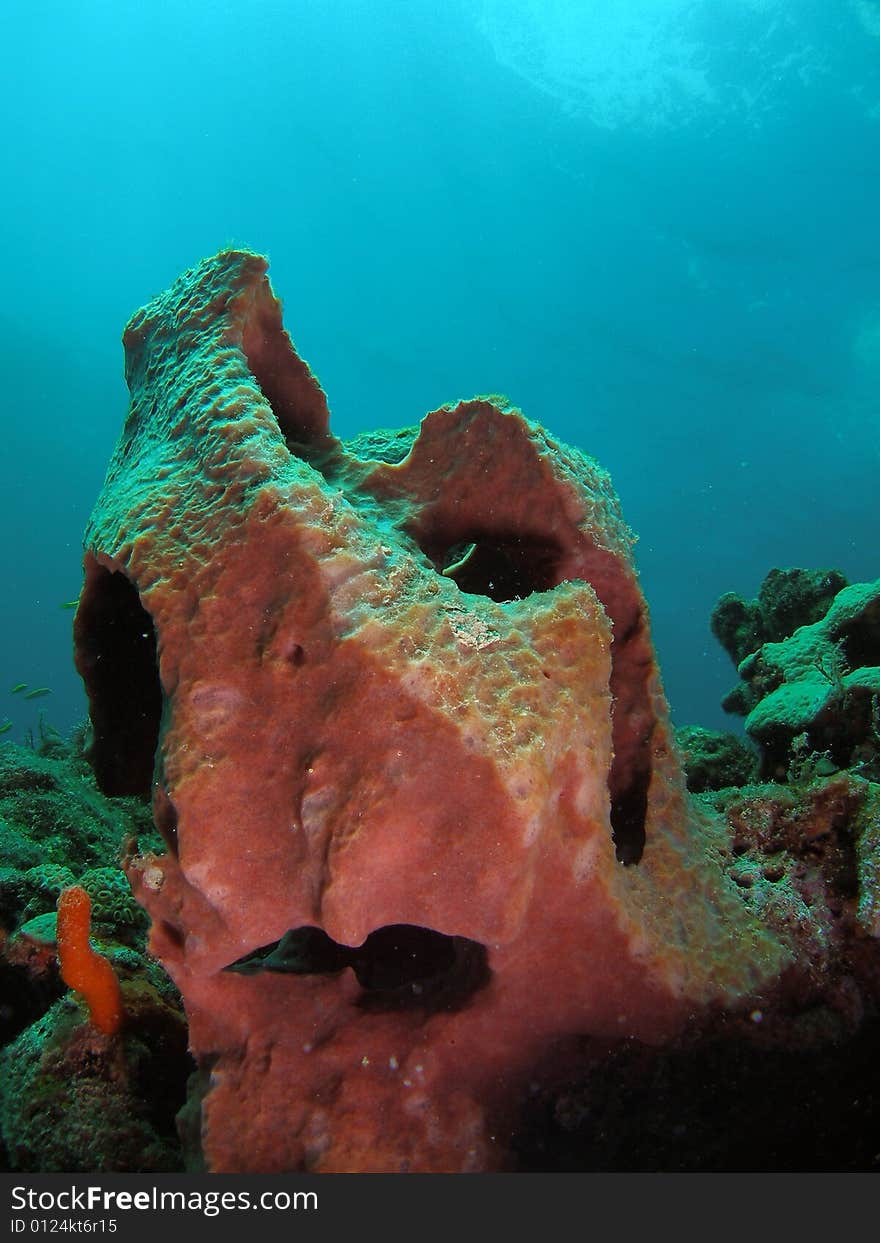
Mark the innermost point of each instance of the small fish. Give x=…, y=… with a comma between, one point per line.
x=5, y=727
x=19, y=686
x=70, y=604
x=39, y=692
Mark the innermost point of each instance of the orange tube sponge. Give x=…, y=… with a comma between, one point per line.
x=81, y=968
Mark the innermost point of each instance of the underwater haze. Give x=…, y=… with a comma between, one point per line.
x=652, y=223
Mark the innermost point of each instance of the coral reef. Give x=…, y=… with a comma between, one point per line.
x=397, y=709
x=71, y=1097
x=74, y=1100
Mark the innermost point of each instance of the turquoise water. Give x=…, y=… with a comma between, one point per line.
x=652, y=223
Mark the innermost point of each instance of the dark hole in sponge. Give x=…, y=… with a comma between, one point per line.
x=115, y=646
x=498, y=567
x=503, y=564
x=399, y=966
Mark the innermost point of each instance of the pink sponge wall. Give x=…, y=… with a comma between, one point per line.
x=402, y=692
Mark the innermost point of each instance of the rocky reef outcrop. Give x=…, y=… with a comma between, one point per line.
x=811, y=694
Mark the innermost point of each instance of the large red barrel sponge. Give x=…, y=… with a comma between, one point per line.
x=82, y=969
x=397, y=708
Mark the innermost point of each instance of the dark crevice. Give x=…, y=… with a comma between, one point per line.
x=632, y=736
x=26, y=996
x=629, y=809
x=399, y=966
x=115, y=652
x=171, y=933
x=165, y=814
x=859, y=640
x=633, y=719
x=630, y=778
